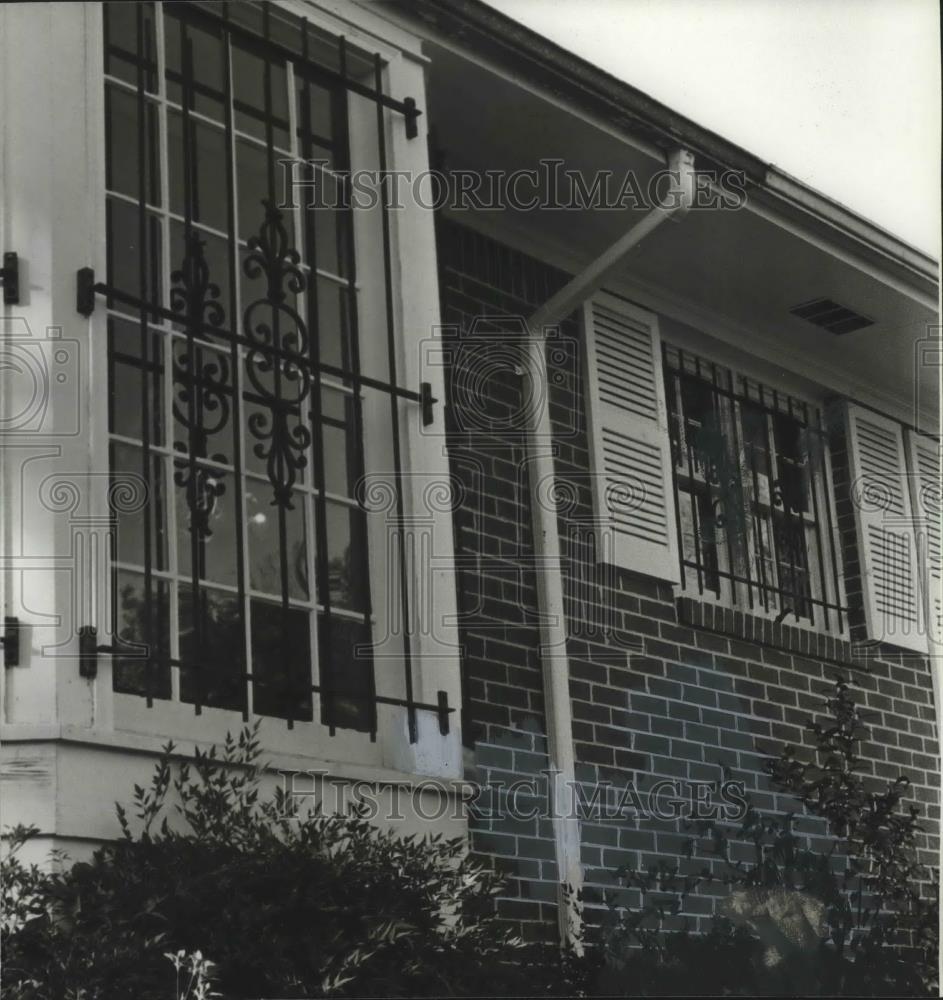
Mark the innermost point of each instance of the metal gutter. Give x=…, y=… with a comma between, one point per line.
x=540, y=450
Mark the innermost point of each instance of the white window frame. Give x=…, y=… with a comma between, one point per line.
x=434, y=654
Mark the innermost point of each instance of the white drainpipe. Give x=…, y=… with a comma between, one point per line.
x=549, y=580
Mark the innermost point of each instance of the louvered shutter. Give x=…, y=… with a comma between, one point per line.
x=923, y=456
x=886, y=539
x=628, y=426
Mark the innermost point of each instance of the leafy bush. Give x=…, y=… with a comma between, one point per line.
x=283, y=905
x=313, y=905
x=860, y=918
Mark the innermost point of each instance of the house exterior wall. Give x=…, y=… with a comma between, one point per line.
x=661, y=687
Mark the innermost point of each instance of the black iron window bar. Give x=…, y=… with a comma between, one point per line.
x=10, y=640
x=739, y=479
x=10, y=278
x=282, y=343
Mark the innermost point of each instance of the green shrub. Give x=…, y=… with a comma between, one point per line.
x=858, y=918
x=304, y=906
x=283, y=905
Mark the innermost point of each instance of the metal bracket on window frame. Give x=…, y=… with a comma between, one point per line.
x=88, y=668
x=411, y=115
x=441, y=708
x=86, y=288
x=85, y=291
x=11, y=641
x=89, y=648
x=88, y=652
x=10, y=277
x=427, y=401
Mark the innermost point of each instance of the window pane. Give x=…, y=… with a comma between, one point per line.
x=346, y=557
x=129, y=479
x=213, y=662
x=793, y=564
x=252, y=166
x=703, y=432
x=265, y=561
x=124, y=173
x=754, y=430
x=346, y=669
x=323, y=208
x=206, y=510
x=764, y=560
x=318, y=127
x=124, y=250
x=281, y=661
x=699, y=540
x=791, y=459
x=249, y=95
x=130, y=384
x=206, y=65
x=136, y=623
x=337, y=478
x=333, y=324
x=206, y=150
x=342, y=464
x=121, y=42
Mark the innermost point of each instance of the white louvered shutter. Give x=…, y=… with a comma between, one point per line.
x=881, y=498
x=923, y=456
x=628, y=427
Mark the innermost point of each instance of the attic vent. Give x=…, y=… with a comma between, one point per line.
x=831, y=316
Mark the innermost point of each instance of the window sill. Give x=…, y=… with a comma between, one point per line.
x=765, y=632
x=274, y=762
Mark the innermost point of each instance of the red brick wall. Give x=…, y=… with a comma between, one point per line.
x=660, y=687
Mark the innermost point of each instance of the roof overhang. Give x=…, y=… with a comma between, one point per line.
x=734, y=274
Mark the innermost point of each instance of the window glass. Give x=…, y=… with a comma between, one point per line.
x=130, y=475
x=281, y=674
x=746, y=470
x=216, y=406
x=143, y=627
x=212, y=644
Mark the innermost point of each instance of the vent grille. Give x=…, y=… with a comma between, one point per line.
x=831, y=316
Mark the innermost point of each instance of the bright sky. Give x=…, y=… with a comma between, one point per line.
x=842, y=94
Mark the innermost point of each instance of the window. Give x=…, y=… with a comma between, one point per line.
x=751, y=496
x=894, y=477
x=236, y=371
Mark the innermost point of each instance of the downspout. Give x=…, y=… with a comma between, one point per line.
x=549, y=579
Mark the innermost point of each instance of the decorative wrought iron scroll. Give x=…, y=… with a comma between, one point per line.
x=271, y=357
x=277, y=332
x=201, y=403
